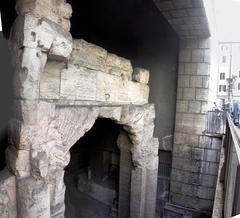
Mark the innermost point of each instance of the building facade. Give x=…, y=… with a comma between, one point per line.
x=229, y=72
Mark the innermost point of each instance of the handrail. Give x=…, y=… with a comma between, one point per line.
x=231, y=170
x=235, y=136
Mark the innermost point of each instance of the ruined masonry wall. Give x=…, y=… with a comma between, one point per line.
x=61, y=86
x=93, y=74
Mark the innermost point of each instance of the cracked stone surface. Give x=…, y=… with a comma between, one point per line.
x=61, y=87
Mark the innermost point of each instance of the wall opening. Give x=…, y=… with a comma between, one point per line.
x=92, y=175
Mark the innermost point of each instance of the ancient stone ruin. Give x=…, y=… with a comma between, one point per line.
x=62, y=87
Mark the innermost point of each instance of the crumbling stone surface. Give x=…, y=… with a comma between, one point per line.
x=57, y=11
x=141, y=75
x=7, y=195
x=61, y=87
x=92, y=74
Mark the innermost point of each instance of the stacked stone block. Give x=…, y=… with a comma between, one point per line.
x=93, y=74
x=195, y=156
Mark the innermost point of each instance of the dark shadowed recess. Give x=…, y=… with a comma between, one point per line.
x=6, y=72
x=119, y=26
x=8, y=16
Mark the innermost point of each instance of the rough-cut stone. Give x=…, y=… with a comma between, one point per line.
x=18, y=161
x=119, y=66
x=36, y=32
x=8, y=195
x=141, y=75
x=50, y=80
x=55, y=10
x=88, y=55
x=113, y=113
x=78, y=83
x=138, y=93
x=107, y=87
x=33, y=38
x=35, y=199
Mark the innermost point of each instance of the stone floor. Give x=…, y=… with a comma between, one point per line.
x=79, y=204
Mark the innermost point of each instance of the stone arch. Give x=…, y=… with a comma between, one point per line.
x=39, y=145
x=73, y=122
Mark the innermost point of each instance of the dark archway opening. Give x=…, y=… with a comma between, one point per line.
x=92, y=175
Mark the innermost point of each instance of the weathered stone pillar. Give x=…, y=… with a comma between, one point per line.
x=151, y=190
x=57, y=192
x=138, y=188
x=124, y=175
x=144, y=151
x=33, y=40
x=33, y=198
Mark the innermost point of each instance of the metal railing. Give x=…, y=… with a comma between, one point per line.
x=231, y=170
x=216, y=122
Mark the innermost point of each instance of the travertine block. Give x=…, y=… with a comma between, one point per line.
x=8, y=195
x=119, y=66
x=35, y=199
x=88, y=55
x=55, y=10
x=141, y=75
x=138, y=93
x=78, y=83
x=18, y=161
x=107, y=87
x=42, y=33
x=50, y=80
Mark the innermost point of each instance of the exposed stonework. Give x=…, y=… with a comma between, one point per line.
x=195, y=155
x=57, y=11
x=61, y=88
x=100, y=77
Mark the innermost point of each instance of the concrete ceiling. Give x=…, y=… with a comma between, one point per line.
x=187, y=17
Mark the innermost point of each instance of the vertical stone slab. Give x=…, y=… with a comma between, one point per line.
x=138, y=189
x=151, y=192
x=124, y=176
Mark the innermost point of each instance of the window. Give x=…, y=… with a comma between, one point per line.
x=239, y=73
x=165, y=160
x=224, y=59
x=222, y=76
x=222, y=88
x=238, y=86
x=226, y=47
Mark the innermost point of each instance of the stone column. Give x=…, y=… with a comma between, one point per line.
x=151, y=191
x=124, y=176
x=33, y=198
x=33, y=40
x=138, y=189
